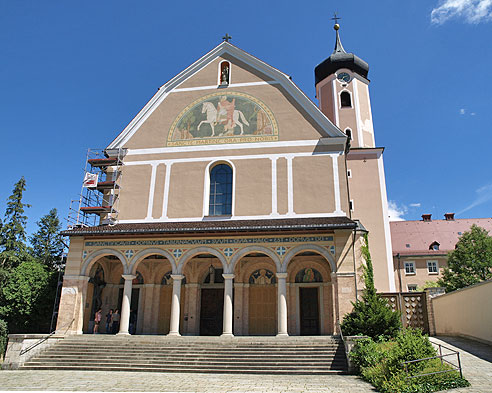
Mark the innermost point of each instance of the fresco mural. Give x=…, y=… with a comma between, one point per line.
x=223, y=117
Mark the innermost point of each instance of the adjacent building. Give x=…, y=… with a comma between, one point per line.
x=420, y=248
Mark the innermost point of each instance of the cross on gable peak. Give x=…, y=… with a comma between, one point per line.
x=226, y=38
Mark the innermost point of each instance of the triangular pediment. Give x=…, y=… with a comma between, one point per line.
x=193, y=86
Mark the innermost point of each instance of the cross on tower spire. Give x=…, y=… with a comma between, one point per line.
x=226, y=38
x=335, y=17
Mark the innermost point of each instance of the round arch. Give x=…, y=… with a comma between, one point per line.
x=140, y=256
x=310, y=247
x=200, y=250
x=263, y=250
x=92, y=258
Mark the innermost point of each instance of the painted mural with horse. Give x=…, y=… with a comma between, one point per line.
x=223, y=118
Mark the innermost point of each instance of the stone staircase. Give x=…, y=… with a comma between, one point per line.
x=240, y=355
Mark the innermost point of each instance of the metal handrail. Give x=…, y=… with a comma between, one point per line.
x=440, y=356
x=43, y=339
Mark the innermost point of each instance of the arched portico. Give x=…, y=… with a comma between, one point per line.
x=309, y=247
x=255, y=291
x=96, y=255
x=311, y=299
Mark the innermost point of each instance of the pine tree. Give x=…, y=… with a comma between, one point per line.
x=13, y=231
x=46, y=242
x=471, y=260
x=371, y=315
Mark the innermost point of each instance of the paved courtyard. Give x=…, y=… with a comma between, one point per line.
x=476, y=360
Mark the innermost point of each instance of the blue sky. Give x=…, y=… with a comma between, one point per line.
x=73, y=74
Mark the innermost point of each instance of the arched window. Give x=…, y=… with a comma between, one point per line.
x=220, y=202
x=345, y=99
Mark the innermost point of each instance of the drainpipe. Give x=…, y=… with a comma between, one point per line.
x=400, y=296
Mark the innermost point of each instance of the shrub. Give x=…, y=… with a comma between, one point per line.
x=371, y=315
x=380, y=363
x=3, y=337
x=366, y=353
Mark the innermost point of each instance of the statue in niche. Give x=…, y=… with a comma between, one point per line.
x=224, y=78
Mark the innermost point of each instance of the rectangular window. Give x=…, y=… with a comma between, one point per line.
x=349, y=173
x=412, y=287
x=432, y=267
x=351, y=205
x=409, y=267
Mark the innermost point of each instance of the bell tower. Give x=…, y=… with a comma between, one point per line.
x=342, y=89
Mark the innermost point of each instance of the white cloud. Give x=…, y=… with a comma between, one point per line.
x=484, y=194
x=462, y=111
x=415, y=204
x=396, y=212
x=472, y=11
x=472, y=114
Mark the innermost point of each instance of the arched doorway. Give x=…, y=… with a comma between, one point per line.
x=255, y=291
x=310, y=297
x=212, y=302
x=309, y=307
x=262, y=303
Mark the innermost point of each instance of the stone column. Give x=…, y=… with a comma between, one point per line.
x=125, y=304
x=175, y=305
x=227, y=326
x=335, y=299
x=282, y=305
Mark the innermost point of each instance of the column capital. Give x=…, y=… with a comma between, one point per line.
x=333, y=275
x=128, y=276
x=228, y=276
x=281, y=275
x=177, y=276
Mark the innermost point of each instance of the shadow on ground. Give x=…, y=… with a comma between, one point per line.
x=478, y=349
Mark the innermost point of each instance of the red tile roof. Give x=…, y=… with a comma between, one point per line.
x=419, y=235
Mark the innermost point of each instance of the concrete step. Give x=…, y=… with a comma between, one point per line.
x=285, y=351
x=297, y=371
x=198, y=354
x=52, y=355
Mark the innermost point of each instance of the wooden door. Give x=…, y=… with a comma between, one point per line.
x=262, y=310
x=211, y=311
x=308, y=299
x=164, y=309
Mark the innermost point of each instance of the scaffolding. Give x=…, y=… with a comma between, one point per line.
x=99, y=197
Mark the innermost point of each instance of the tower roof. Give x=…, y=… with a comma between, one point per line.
x=340, y=59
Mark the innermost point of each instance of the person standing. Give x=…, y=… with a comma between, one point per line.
x=116, y=321
x=133, y=321
x=109, y=321
x=97, y=321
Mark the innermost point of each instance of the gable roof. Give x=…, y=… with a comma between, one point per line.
x=283, y=79
x=420, y=235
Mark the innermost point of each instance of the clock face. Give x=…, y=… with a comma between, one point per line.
x=343, y=77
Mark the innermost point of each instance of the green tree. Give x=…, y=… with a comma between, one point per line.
x=13, y=231
x=46, y=242
x=371, y=316
x=26, y=298
x=470, y=262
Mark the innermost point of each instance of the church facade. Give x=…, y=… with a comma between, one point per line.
x=234, y=205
